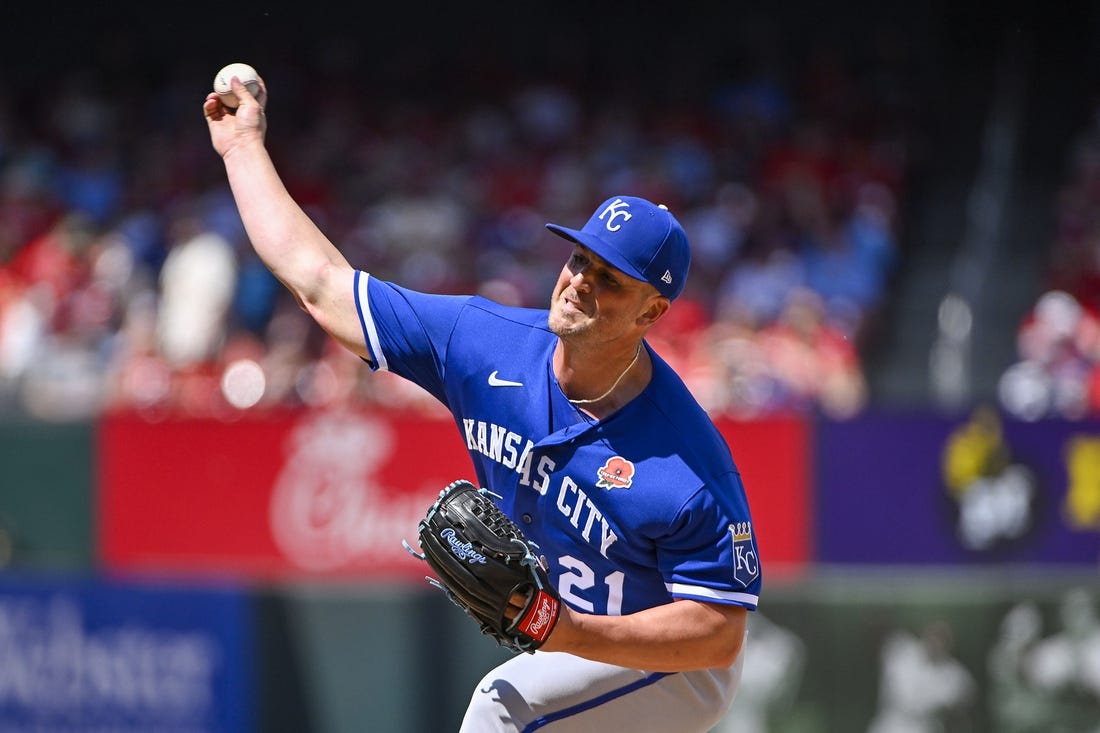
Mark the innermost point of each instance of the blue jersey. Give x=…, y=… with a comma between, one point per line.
x=631, y=511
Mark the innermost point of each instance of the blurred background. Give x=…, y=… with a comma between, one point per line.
x=893, y=316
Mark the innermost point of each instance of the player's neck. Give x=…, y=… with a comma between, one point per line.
x=599, y=383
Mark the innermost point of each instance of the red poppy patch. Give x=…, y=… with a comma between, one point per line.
x=617, y=473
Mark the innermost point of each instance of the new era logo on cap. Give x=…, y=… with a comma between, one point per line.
x=641, y=238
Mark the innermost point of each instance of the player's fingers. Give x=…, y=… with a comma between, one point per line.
x=240, y=90
x=516, y=602
x=261, y=96
x=244, y=96
x=212, y=107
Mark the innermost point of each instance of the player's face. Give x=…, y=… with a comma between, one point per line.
x=592, y=299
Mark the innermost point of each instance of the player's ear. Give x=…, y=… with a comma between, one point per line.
x=656, y=307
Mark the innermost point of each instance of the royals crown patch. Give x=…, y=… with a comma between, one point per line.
x=746, y=565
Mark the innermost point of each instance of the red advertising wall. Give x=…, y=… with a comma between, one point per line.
x=774, y=457
x=335, y=493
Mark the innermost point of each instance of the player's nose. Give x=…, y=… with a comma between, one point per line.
x=581, y=280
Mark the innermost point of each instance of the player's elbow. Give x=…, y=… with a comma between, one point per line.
x=725, y=652
x=317, y=283
x=728, y=639
x=322, y=288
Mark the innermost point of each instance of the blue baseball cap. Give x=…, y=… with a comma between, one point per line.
x=641, y=238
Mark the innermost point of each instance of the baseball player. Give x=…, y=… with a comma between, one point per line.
x=593, y=444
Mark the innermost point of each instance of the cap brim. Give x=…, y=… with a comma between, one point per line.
x=606, y=252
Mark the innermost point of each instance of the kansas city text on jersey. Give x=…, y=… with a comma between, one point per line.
x=502, y=445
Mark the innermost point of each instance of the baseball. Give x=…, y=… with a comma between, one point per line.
x=245, y=73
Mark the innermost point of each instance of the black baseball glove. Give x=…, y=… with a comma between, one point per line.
x=488, y=568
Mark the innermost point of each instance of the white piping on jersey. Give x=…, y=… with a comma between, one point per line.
x=362, y=302
x=698, y=591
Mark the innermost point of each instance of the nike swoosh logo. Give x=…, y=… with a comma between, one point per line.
x=495, y=381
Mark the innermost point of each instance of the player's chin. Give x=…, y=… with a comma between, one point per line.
x=567, y=323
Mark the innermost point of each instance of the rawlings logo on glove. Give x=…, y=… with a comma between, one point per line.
x=462, y=550
x=483, y=561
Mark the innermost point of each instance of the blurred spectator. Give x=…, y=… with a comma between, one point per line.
x=1058, y=341
x=923, y=688
x=1067, y=663
x=197, y=283
x=1048, y=683
x=1058, y=373
x=757, y=288
x=1016, y=706
x=814, y=361
x=719, y=229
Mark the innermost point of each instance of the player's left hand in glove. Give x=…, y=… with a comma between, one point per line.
x=488, y=568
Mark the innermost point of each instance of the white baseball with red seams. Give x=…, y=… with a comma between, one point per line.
x=223, y=82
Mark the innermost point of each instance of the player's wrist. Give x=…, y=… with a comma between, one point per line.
x=244, y=146
x=558, y=637
x=541, y=616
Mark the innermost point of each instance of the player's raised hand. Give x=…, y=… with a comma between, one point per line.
x=231, y=127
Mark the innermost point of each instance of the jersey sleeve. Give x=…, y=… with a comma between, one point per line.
x=407, y=332
x=710, y=552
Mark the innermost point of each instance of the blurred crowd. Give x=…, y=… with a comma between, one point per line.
x=1058, y=341
x=127, y=281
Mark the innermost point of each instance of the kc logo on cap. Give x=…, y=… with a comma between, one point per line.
x=616, y=209
x=641, y=238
